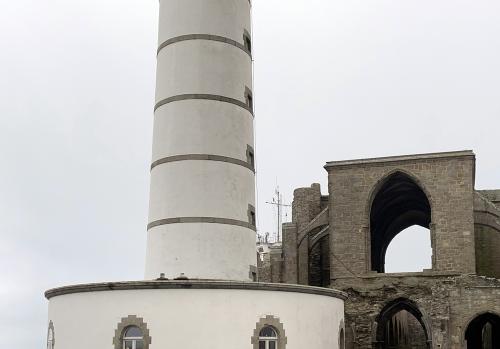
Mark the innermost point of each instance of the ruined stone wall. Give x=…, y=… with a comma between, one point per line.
x=306, y=205
x=487, y=251
x=270, y=265
x=448, y=304
x=447, y=180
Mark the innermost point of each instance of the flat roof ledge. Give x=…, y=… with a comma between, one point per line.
x=401, y=158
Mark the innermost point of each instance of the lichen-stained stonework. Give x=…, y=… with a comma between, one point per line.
x=448, y=303
x=464, y=282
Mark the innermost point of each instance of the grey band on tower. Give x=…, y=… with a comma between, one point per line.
x=202, y=217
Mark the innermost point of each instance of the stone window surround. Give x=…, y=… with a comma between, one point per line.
x=249, y=98
x=252, y=218
x=253, y=275
x=273, y=322
x=51, y=328
x=131, y=320
x=247, y=40
x=251, y=156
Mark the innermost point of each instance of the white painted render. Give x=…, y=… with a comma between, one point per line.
x=203, y=66
x=210, y=251
x=225, y=18
x=195, y=319
x=199, y=188
x=209, y=127
x=202, y=188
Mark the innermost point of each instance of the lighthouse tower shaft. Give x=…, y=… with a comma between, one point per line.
x=202, y=199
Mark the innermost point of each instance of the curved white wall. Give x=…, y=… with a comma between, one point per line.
x=203, y=66
x=202, y=182
x=211, y=254
x=226, y=131
x=225, y=18
x=194, y=188
x=195, y=319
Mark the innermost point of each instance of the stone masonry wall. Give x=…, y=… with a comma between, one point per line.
x=448, y=303
x=447, y=180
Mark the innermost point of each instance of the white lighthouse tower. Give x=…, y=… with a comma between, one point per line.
x=200, y=288
x=202, y=215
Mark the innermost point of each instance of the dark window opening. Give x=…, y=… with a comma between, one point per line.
x=248, y=42
x=254, y=276
x=251, y=159
x=250, y=101
x=483, y=332
x=252, y=219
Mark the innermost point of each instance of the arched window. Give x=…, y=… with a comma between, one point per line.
x=268, y=338
x=269, y=334
x=50, y=336
x=133, y=338
x=132, y=333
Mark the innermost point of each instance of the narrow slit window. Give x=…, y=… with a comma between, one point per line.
x=247, y=41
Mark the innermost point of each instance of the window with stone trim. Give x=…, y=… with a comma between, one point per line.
x=51, y=336
x=132, y=333
x=133, y=338
x=269, y=333
x=247, y=40
x=268, y=338
x=249, y=99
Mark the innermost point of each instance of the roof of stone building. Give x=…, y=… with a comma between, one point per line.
x=400, y=158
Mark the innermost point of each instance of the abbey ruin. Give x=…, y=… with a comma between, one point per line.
x=339, y=241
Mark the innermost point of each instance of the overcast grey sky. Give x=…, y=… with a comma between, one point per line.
x=333, y=80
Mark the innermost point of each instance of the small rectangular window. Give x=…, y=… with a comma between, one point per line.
x=251, y=159
x=250, y=102
x=252, y=219
x=247, y=41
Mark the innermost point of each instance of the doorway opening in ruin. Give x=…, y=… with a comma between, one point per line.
x=483, y=332
x=409, y=251
x=401, y=326
x=398, y=204
x=319, y=262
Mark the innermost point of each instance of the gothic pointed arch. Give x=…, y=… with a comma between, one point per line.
x=397, y=202
x=483, y=331
x=401, y=323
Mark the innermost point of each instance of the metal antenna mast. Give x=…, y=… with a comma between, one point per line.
x=278, y=202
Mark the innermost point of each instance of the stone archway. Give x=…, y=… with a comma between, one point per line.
x=483, y=332
x=398, y=203
x=401, y=325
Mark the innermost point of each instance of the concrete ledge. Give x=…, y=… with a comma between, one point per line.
x=203, y=157
x=421, y=274
x=208, y=37
x=202, y=96
x=401, y=158
x=194, y=285
x=212, y=220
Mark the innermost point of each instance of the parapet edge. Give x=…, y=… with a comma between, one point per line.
x=399, y=158
x=193, y=284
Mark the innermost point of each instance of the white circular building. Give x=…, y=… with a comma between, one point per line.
x=200, y=289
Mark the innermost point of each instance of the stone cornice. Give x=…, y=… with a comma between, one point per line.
x=193, y=285
x=401, y=158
